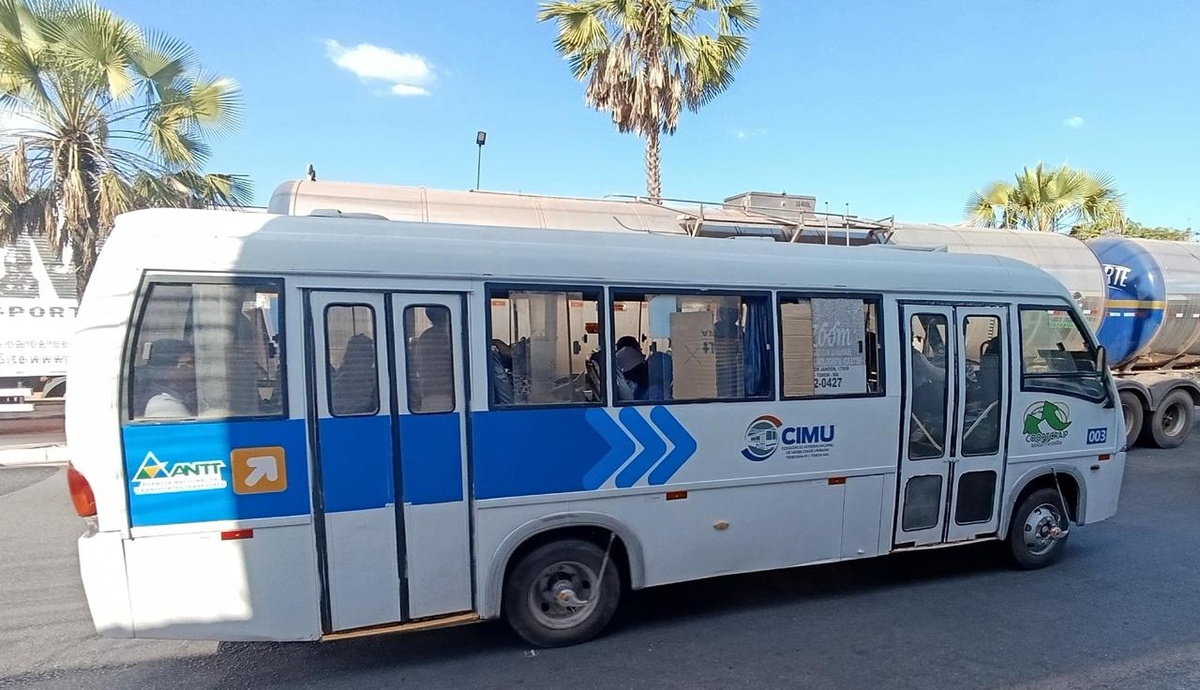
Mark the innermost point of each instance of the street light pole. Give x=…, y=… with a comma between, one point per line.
x=480, y=140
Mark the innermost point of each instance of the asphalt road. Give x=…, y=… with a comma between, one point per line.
x=1122, y=610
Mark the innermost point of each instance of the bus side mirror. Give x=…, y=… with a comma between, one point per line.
x=1102, y=369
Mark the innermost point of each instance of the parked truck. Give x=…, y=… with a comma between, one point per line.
x=1141, y=297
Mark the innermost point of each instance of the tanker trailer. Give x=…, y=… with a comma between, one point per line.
x=1151, y=330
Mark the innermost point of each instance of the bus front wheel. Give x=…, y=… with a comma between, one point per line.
x=1038, y=533
x=562, y=593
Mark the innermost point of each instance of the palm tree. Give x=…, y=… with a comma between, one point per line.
x=644, y=60
x=108, y=119
x=1049, y=200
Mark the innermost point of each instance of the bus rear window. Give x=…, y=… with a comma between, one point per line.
x=206, y=351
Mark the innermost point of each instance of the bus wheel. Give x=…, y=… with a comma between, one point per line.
x=562, y=593
x=1131, y=408
x=1039, y=528
x=1172, y=421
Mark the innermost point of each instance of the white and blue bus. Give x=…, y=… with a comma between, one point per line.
x=301, y=428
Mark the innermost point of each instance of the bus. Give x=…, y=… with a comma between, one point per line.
x=314, y=428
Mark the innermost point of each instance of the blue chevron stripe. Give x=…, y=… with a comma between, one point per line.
x=620, y=447
x=684, y=445
x=653, y=447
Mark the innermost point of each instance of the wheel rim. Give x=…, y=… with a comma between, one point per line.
x=563, y=595
x=1172, y=419
x=1040, y=529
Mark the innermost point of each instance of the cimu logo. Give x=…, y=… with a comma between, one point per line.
x=1046, y=423
x=767, y=434
x=762, y=438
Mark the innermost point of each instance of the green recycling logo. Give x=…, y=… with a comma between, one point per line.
x=1046, y=423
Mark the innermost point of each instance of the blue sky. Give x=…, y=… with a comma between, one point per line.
x=893, y=107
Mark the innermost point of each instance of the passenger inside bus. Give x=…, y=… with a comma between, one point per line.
x=929, y=402
x=355, y=385
x=431, y=364
x=171, y=369
x=634, y=380
x=501, y=363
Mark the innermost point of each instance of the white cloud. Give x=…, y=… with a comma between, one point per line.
x=407, y=74
x=1074, y=122
x=751, y=133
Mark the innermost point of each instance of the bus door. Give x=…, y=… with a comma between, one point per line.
x=389, y=465
x=435, y=505
x=955, y=411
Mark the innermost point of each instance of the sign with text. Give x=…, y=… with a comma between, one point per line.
x=839, y=360
x=35, y=336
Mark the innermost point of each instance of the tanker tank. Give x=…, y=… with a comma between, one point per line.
x=1065, y=258
x=1153, y=309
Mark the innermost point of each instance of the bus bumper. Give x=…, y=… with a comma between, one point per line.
x=102, y=567
x=200, y=586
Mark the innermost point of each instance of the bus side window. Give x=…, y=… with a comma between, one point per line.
x=542, y=347
x=829, y=346
x=1056, y=357
x=207, y=350
x=691, y=347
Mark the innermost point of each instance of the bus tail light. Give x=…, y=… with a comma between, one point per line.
x=81, y=493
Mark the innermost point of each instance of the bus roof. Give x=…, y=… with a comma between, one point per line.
x=197, y=240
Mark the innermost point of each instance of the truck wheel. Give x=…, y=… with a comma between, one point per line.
x=1172, y=421
x=1032, y=538
x=1131, y=407
x=556, y=596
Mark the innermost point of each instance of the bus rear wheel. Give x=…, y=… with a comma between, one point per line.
x=562, y=593
x=1038, y=533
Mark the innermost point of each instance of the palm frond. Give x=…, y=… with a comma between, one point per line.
x=162, y=60
x=97, y=44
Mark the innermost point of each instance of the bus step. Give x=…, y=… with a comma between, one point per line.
x=426, y=624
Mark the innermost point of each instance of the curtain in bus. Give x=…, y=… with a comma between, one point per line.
x=758, y=347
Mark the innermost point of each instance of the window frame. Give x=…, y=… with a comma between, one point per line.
x=949, y=402
x=1088, y=339
x=137, y=313
x=875, y=298
x=326, y=366
x=408, y=396
x=1005, y=383
x=600, y=291
x=625, y=289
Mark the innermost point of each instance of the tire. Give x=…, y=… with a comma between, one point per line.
x=1029, y=539
x=1171, y=423
x=1131, y=407
x=571, y=565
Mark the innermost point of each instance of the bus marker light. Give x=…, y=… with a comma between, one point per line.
x=676, y=495
x=237, y=534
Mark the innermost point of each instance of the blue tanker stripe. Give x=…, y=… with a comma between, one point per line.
x=653, y=447
x=620, y=447
x=684, y=445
